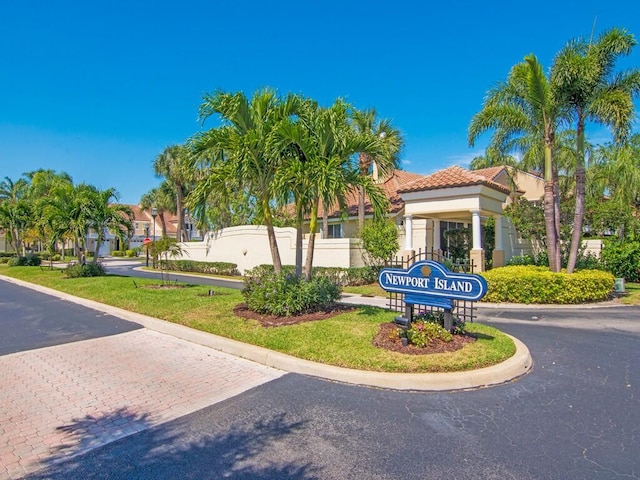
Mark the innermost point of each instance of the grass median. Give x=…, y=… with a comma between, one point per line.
x=344, y=340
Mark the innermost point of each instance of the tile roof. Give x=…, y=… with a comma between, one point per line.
x=490, y=173
x=451, y=177
x=390, y=188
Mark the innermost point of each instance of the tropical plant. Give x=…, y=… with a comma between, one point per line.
x=379, y=241
x=584, y=78
x=242, y=149
x=172, y=165
x=523, y=114
x=102, y=216
x=367, y=123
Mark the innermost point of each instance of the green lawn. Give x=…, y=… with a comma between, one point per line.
x=633, y=294
x=344, y=340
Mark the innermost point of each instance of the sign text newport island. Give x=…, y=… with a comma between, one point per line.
x=430, y=283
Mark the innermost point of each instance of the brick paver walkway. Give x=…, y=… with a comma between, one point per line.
x=60, y=401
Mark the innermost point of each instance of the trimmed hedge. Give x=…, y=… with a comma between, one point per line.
x=28, y=261
x=213, y=268
x=529, y=284
x=344, y=277
x=87, y=270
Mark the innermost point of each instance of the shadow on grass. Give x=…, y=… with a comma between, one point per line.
x=170, y=452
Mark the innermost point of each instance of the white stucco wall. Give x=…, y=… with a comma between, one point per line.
x=248, y=246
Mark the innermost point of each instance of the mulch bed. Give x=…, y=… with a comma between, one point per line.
x=274, y=321
x=386, y=337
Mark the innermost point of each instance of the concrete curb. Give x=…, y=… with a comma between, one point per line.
x=519, y=364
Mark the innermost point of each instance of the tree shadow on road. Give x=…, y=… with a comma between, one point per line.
x=171, y=452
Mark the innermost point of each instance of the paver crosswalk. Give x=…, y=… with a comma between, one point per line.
x=57, y=402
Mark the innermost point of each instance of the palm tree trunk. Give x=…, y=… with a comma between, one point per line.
x=299, y=223
x=312, y=240
x=556, y=215
x=360, y=208
x=98, y=243
x=549, y=205
x=325, y=220
x=163, y=223
x=271, y=234
x=180, y=213
x=578, y=216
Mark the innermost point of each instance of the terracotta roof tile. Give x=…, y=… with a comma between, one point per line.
x=490, y=173
x=451, y=177
x=390, y=188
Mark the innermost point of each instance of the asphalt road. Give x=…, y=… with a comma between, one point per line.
x=575, y=416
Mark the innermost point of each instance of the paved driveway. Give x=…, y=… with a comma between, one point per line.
x=79, y=379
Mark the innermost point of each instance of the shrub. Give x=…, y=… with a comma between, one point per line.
x=56, y=257
x=27, y=261
x=622, y=259
x=529, y=284
x=117, y=253
x=133, y=252
x=379, y=241
x=86, y=270
x=213, y=268
x=422, y=332
x=345, y=277
x=284, y=294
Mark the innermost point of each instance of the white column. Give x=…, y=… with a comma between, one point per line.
x=498, y=232
x=476, y=230
x=408, y=232
x=436, y=234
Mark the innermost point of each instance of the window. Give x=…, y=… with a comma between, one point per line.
x=335, y=231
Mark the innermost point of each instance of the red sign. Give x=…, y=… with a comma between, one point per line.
x=146, y=241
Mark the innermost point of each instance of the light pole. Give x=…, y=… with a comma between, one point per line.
x=154, y=214
x=146, y=244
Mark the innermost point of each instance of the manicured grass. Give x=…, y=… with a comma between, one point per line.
x=371, y=289
x=344, y=340
x=633, y=294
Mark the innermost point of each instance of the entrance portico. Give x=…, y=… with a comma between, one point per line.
x=455, y=195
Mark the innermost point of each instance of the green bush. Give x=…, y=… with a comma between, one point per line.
x=27, y=261
x=4, y=259
x=344, y=277
x=117, y=253
x=284, y=294
x=622, y=259
x=529, y=284
x=379, y=241
x=56, y=257
x=212, y=268
x=133, y=252
x=86, y=270
x=422, y=332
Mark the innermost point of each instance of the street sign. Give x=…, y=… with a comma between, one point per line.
x=146, y=241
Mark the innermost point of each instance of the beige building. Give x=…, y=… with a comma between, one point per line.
x=423, y=208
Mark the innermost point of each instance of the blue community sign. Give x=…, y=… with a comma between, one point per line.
x=430, y=283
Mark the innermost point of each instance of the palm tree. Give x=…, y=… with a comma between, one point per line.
x=242, y=148
x=321, y=145
x=172, y=164
x=105, y=216
x=365, y=122
x=524, y=115
x=15, y=211
x=161, y=198
x=583, y=73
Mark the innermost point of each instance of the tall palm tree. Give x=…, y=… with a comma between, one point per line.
x=242, y=148
x=105, y=216
x=524, y=114
x=172, y=165
x=322, y=144
x=366, y=122
x=15, y=211
x=584, y=74
x=163, y=199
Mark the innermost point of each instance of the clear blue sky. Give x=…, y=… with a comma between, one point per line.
x=98, y=89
